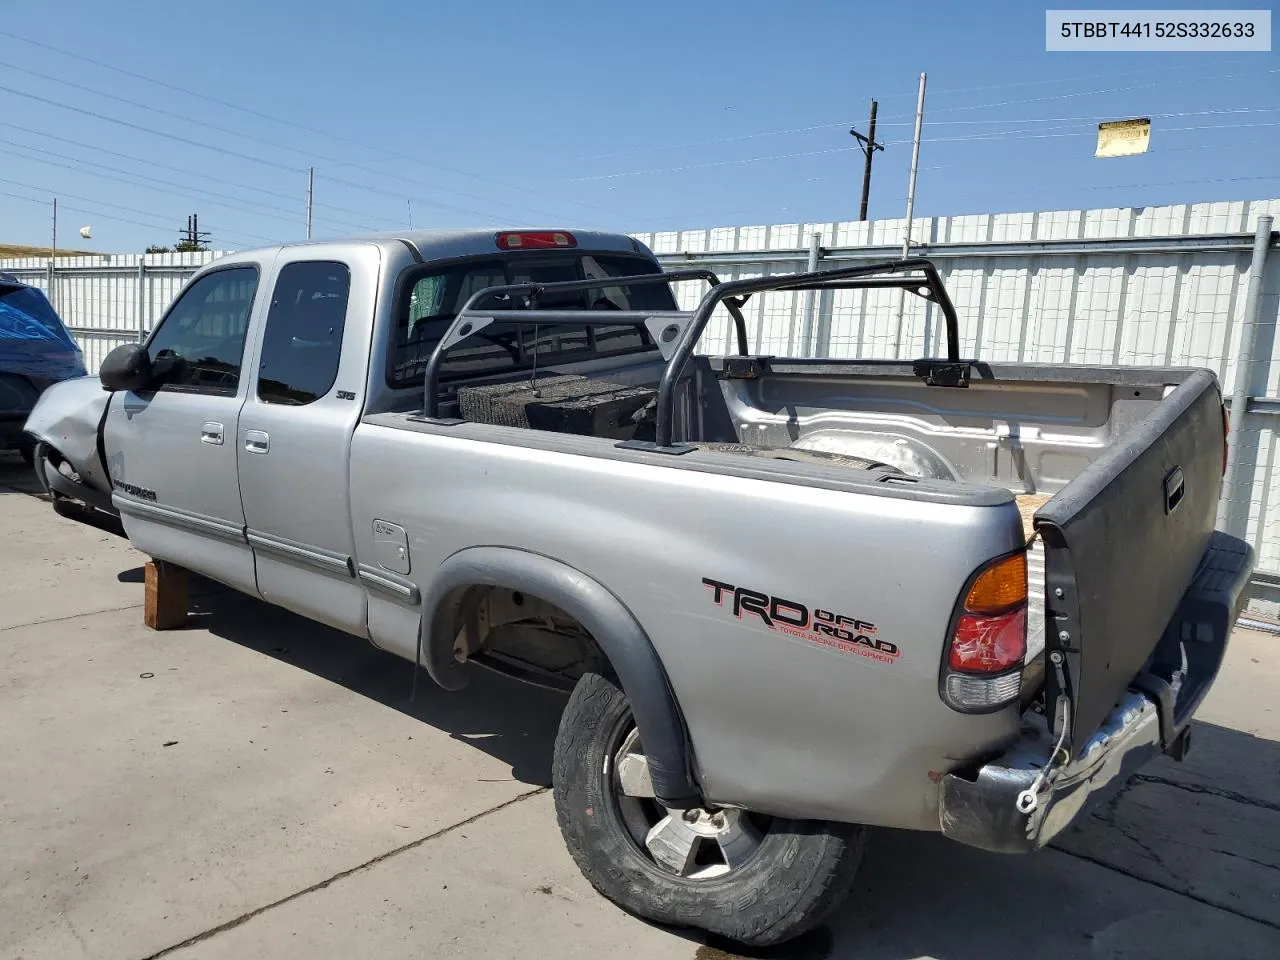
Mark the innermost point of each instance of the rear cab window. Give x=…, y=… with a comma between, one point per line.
x=433, y=296
x=302, y=343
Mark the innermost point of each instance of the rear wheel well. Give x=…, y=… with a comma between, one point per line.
x=522, y=635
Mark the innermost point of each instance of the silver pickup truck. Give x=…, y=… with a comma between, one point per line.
x=789, y=599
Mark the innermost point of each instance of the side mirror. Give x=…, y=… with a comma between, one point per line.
x=127, y=367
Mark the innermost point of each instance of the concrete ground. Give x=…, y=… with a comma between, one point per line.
x=258, y=786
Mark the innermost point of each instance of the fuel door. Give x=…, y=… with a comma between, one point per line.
x=391, y=546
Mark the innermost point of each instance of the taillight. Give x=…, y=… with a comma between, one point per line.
x=536, y=240
x=988, y=643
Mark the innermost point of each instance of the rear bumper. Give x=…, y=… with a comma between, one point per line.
x=980, y=808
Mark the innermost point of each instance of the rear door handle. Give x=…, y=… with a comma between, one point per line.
x=211, y=432
x=257, y=441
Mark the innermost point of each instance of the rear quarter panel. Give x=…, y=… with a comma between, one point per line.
x=777, y=723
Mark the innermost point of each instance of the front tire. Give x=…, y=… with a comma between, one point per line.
x=753, y=879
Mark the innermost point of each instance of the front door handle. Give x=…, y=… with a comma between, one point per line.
x=257, y=441
x=211, y=432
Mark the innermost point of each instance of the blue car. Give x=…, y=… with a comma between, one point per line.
x=35, y=351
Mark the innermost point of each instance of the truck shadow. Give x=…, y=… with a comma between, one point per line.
x=16, y=476
x=1183, y=863
x=512, y=722
x=1139, y=879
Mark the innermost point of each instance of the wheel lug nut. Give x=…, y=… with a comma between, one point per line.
x=690, y=816
x=718, y=820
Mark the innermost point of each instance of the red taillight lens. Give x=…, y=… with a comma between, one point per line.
x=989, y=642
x=536, y=240
x=984, y=644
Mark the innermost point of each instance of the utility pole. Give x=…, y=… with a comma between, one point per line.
x=868, y=146
x=911, y=204
x=915, y=166
x=194, y=237
x=311, y=183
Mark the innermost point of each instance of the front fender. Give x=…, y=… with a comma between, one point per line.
x=68, y=416
x=605, y=617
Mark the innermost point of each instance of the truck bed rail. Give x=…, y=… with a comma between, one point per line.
x=916, y=275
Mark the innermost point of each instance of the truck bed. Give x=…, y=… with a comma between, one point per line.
x=1025, y=432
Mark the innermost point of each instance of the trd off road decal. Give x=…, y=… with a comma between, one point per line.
x=847, y=634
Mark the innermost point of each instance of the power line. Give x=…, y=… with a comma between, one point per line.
x=157, y=133
x=390, y=153
x=114, y=206
x=1098, y=119
x=1138, y=186
x=107, y=216
x=1174, y=183
x=1021, y=135
x=93, y=213
x=1093, y=93
x=218, y=199
x=163, y=166
x=228, y=152
x=165, y=113
x=909, y=121
x=271, y=143
x=993, y=135
x=280, y=165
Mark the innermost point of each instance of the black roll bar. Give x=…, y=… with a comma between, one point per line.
x=733, y=294
x=844, y=278
x=431, y=399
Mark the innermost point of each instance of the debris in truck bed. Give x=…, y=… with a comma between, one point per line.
x=564, y=404
x=1028, y=504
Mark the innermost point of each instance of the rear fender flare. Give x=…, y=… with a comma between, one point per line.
x=605, y=617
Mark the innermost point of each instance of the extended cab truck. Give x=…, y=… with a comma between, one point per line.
x=790, y=599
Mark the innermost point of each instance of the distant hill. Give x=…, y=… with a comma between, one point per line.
x=18, y=250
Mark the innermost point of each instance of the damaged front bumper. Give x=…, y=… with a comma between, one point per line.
x=1019, y=802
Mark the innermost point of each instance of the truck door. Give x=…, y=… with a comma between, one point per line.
x=295, y=432
x=170, y=449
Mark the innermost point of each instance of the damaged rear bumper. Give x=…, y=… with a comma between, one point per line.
x=984, y=812
x=982, y=807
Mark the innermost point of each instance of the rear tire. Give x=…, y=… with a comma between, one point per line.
x=27, y=449
x=789, y=875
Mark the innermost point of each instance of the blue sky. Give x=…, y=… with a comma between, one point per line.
x=636, y=116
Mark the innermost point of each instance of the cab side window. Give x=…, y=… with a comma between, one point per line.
x=199, y=346
x=302, y=343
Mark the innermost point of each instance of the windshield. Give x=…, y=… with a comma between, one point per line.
x=436, y=296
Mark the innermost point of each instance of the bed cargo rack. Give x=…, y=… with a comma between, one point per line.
x=676, y=333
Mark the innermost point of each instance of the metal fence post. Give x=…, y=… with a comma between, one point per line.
x=1233, y=510
x=141, y=308
x=810, y=298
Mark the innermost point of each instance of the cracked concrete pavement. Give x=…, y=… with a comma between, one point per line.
x=258, y=786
